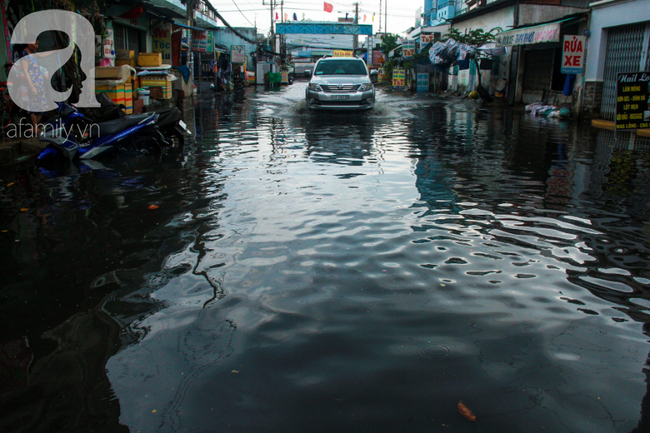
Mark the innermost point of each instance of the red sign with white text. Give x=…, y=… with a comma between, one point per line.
x=573, y=54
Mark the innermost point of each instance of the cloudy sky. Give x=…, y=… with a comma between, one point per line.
x=246, y=13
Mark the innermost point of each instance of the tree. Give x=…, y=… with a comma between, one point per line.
x=477, y=37
x=388, y=43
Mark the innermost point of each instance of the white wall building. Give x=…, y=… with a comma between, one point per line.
x=618, y=42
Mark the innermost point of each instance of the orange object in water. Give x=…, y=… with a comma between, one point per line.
x=466, y=412
x=153, y=206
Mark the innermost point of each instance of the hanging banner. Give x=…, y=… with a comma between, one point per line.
x=573, y=54
x=162, y=41
x=237, y=53
x=529, y=35
x=210, y=47
x=632, y=110
x=199, y=41
x=408, y=49
x=108, y=45
x=399, y=77
x=177, y=37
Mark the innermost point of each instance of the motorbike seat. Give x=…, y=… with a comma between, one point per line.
x=113, y=127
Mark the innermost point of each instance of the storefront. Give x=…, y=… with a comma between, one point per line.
x=538, y=60
x=619, y=41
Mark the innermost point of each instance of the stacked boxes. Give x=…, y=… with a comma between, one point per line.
x=107, y=72
x=128, y=98
x=120, y=94
x=130, y=62
x=158, y=81
x=115, y=93
x=125, y=57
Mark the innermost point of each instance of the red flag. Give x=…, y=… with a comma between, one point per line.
x=328, y=7
x=277, y=17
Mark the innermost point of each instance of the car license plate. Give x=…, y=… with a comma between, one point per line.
x=339, y=97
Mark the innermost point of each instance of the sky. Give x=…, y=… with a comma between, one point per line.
x=247, y=13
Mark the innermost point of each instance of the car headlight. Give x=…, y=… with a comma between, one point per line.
x=365, y=87
x=315, y=87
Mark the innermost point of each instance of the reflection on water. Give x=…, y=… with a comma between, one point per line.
x=323, y=272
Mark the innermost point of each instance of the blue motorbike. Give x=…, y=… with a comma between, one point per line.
x=71, y=135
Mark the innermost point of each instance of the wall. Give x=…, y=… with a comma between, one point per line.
x=499, y=18
x=531, y=14
x=141, y=23
x=226, y=37
x=617, y=14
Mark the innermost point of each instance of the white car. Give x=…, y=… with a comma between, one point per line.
x=340, y=83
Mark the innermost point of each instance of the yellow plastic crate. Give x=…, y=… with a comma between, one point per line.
x=150, y=59
x=130, y=62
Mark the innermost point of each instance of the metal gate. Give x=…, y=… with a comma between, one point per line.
x=627, y=51
x=538, y=69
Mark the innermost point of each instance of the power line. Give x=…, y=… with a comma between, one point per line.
x=242, y=14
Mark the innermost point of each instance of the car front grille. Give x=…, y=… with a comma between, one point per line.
x=342, y=88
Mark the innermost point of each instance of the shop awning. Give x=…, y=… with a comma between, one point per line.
x=533, y=34
x=190, y=27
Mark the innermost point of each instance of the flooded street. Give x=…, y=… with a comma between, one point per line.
x=309, y=272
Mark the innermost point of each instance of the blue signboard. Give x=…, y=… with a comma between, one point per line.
x=423, y=82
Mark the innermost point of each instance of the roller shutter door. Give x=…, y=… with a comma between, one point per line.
x=627, y=51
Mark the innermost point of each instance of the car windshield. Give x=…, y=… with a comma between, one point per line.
x=341, y=67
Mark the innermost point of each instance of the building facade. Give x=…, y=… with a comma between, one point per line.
x=618, y=42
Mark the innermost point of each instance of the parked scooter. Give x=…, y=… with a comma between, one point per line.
x=172, y=128
x=72, y=135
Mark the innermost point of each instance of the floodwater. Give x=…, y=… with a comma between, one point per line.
x=299, y=272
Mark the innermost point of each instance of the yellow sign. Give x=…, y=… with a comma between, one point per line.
x=342, y=53
x=399, y=77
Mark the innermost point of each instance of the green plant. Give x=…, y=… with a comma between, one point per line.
x=388, y=43
x=388, y=70
x=476, y=37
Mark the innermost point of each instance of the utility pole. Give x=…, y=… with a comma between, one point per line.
x=386, y=16
x=272, y=34
x=356, y=22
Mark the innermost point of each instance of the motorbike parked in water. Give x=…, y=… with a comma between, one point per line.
x=169, y=122
x=71, y=135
